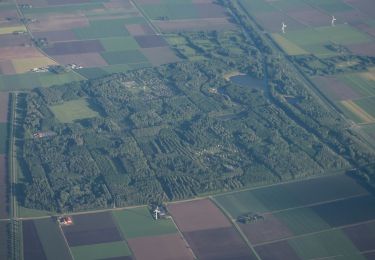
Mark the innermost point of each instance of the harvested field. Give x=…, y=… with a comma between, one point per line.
x=4, y=210
x=195, y=25
x=6, y=68
x=337, y=214
x=32, y=247
x=52, y=239
x=86, y=60
x=160, y=248
x=4, y=101
x=114, y=250
x=139, y=29
x=25, y=65
x=336, y=89
x=92, y=229
x=74, y=47
x=217, y=244
x=160, y=55
x=59, y=22
x=10, y=40
x=210, y=10
x=4, y=236
x=311, y=17
x=8, y=53
x=363, y=48
x=362, y=236
x=138, y=222
x=277, y=251
x=198, y=215
x=150, y=41
x=55, y=36
x=265, y=230
x=363, y=116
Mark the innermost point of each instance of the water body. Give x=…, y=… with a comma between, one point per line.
x=246, y=80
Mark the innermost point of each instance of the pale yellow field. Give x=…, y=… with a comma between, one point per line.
x=24, y=65
x=11, y=29
x=288, y=46
x=358, y=111
x=370, y=75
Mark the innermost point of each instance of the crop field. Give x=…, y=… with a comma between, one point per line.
x=3, y=187
x=25, y=65
x=91, y=229
x=33, y=249
x=115, y=250
x=138, y=222
x=3, y=137
x=4, y=235
x=4, y=102
x=309, y=27
x=73, y=110
x=208, y=232
x=51, y=238
x=315, y=226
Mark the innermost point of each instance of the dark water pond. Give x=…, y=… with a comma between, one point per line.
x=246, y=80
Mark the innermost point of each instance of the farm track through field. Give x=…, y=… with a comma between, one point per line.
x=143, y=13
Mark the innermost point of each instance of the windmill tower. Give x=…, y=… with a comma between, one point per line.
x=283, y=26
x=333, y=20
x=156, y=212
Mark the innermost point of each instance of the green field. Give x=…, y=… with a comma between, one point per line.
x=331, y=5
x=302, y=220
x=53, y=242
x=101, y=251
x=73, y=110
x=288, y=46
x=31, y=80
x=119, y=44
x=4, y=236
x=3, y=137
x=124, y=57
x=324, y=244
x=72, y=8
x=138, y=222
x=367, y=104
x=30, y=213
x=102, y=29
x=360, y=84
x=256, y=6
x=180, y=9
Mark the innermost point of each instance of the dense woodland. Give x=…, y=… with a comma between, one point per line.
x=180, y=130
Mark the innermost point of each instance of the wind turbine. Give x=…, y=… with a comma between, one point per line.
x=156, y=211
x=333, y=20
x=283, y=26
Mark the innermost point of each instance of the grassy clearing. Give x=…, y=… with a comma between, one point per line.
x=102, y=29
x=119, y=44
x=302, y=221
x=53, y=242
x=30, y=213
x=12, y=29
x=359, y=113
x=288, y=46
x=25, y=65
x=73, y=110
x=101, y=251
x=124, y=57
x=138, y=222
x=325, y=244
x=3, y=137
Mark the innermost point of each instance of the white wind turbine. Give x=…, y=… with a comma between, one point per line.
x=333, y=20
x=283, y=26
x=156, y=211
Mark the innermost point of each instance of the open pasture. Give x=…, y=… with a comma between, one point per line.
x=12, y=29
x=73, y=110
x=138, y=222
x=367, y=104
x=289, y=195
x=4, y=210
x=52, y=240
x=169, y=246
x=183, y=25
x=25, y=65
x=74, y=47
x=277, y=251
x=7, y=68
x=91, y=229
x=170, y=10
x=86, y=60
x=124, y=57
x=102, y=29
x=111, y=250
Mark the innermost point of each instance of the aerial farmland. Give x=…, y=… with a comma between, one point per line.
x=187, y=129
